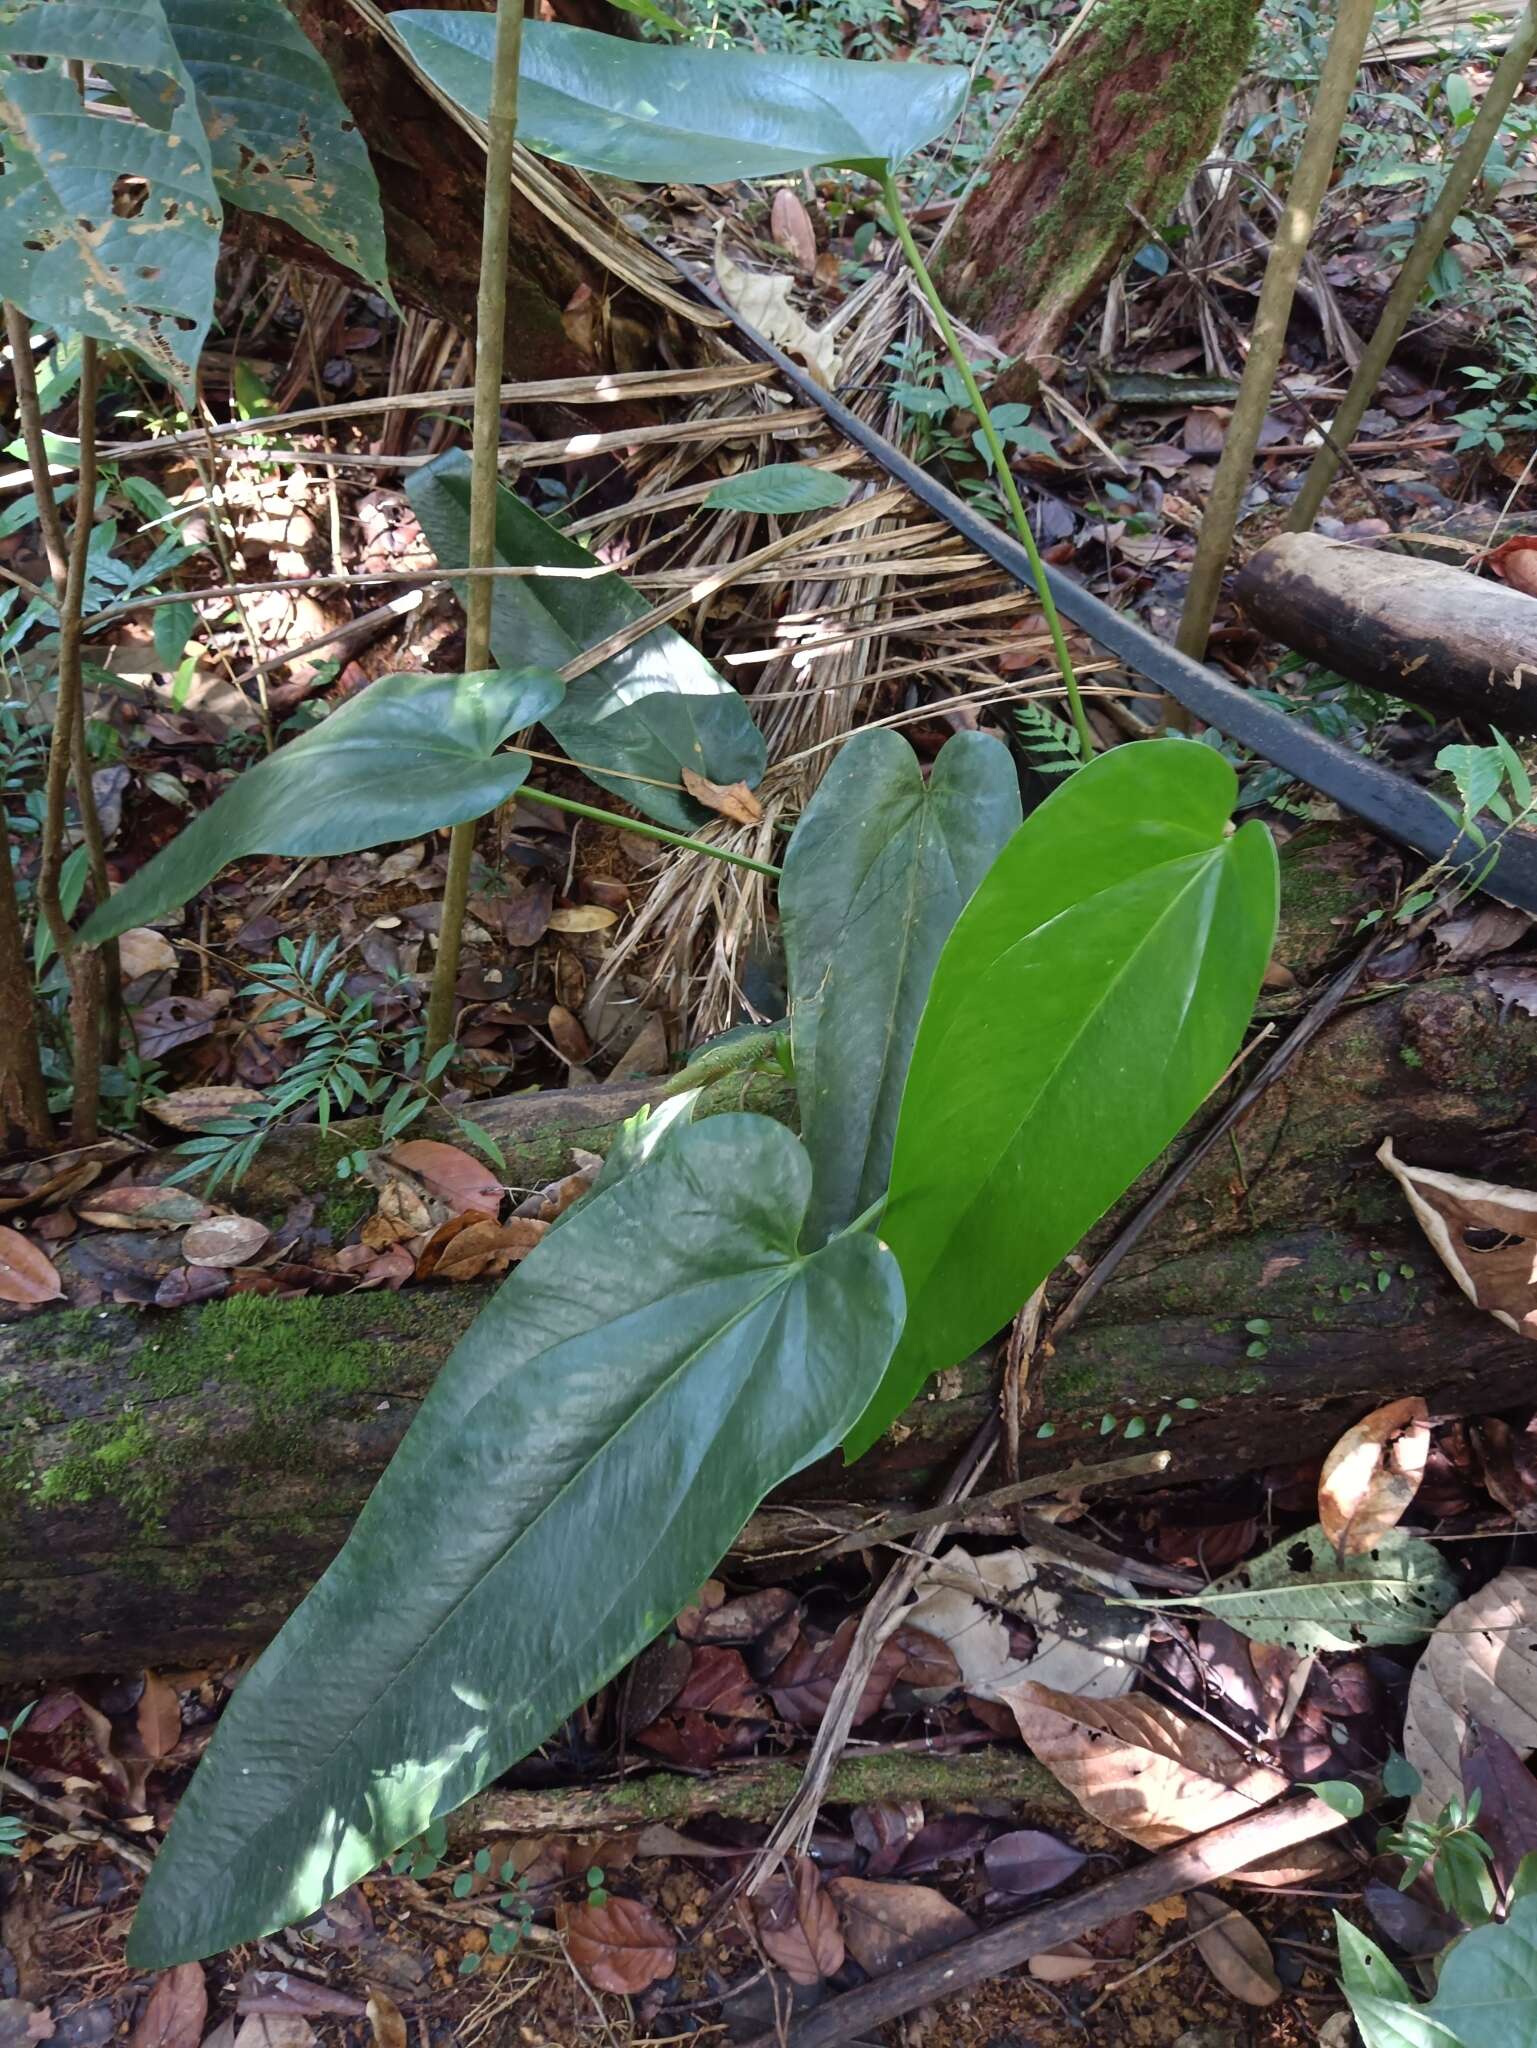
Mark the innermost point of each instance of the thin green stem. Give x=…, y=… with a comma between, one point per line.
x=490, y=326
x=645, y=831
x=1000, y=460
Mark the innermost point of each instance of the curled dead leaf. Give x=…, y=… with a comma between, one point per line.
x=1484, y=1234
x=763, y=301
x=733, y=800
x=386, y=2021
x=1371, y=1476
x=1515, y=559
x=145, y=951
x=790, y=225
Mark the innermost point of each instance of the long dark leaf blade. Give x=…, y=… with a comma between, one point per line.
x=408, y=755
x=1086, y=1003
x=878, y=870
x=659, y=1362
x=665, y=113
x=654, y=710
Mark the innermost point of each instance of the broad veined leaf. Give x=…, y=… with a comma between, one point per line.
x=781, y=488
x=141, y=279
x=665, y=113
x=1487, y=1992
x=663, y=1358
x=1087, y=1001
x=653, y=710
x=283, y=142
x=409, y=754
x=1383, y=2007
x=878, y=870
x=1303, y=1594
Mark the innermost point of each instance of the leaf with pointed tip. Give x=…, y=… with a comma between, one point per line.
x=879, y=867
x=653, y=710
x=1087, y=1001
x=142, y=280
x=659, y=1362
x=282, y=139
x=781, y=488
x=669, y=113
x=405, y=756
x=1304, y=1594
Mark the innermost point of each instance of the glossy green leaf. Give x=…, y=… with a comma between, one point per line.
x=407, y=755
x=582, y=1462
x=878, y=870
x=653, y=710
x=283, y=141
x=1302, y=1593
x=1085, y=1005
x=1383, y=2007
x=781, y=488
x=142, y=281
x=663, y=113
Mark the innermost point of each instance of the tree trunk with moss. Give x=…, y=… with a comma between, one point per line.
x=171, y=1482
x=1106, y=141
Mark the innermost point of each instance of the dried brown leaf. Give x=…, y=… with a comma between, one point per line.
x=175, y=2010
x=194, y=1109
x=619, y=1946
x=581, y=917
x=1515, y=559
x=27, y=1275
x=142, y=1208
x=145, y=951
x=386, y=2021
x=733, y=800
x=224, y=1241
x=790, y=225
x=888, y=1926
x=1138, y=1766
x=1484, y=1234
x=797, y=1924
x=1233, y=1949
x=159, y=1716
x=1479, y=1665
x=1371, y=1476
x=452, y=1174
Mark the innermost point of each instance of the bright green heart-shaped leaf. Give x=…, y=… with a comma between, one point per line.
x=142, y=279
x=781, y=488
x=1086, y=1003
x=878, y=870
x=583, y=1461
x=651, y=711
x=1303, y=1594
x=283, y=141
x=666, y=113
x=409, y=754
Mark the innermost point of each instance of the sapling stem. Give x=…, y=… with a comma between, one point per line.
x=645, y=831
x=1000, y=460
x=490, y=324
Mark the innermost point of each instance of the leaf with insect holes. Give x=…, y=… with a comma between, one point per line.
x=652, y=710
x=141, y=279
x=782, y=488
x=1109, y=963
x=27, y=1276
x=1372, y=1474
x=654, y=1382
x=407, y=755
x=1303, y=1594
x=282, y=141
x=676, y=113
x=621, y=1945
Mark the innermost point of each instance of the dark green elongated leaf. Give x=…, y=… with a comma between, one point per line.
x=411, y=753
x=781, y=488
x=1089, y=998
x=587, y=1454
x=283, y=142
x=144, y=281
x=878, y=870
x=653, y=710
x=663, y=113
x=1304, y=1594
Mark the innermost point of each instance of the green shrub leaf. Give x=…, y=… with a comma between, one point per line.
x=665, y=114
x=407, y=755
x=142, y=281
x=653, y=710
x=1304, y=1594
x=283, y=142
x=878, y=870
x=781, y=488
x=660, y=1361
x=1487, y=1992
x=1088, y=1000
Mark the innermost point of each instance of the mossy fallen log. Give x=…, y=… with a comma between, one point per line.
x=172, y=1481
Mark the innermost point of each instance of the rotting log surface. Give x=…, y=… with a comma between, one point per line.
x=1113, y=129
x=1424, y=630
x=173, y=1481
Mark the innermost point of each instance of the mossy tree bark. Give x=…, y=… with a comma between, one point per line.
x=1113, y=128
x=172, y=1482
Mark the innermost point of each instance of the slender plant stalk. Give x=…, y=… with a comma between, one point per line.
x=490, y=324
x=1418, y=264
x=645, y=831
x=24, y=1117
x=1000, y=460
x=1294, y=230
